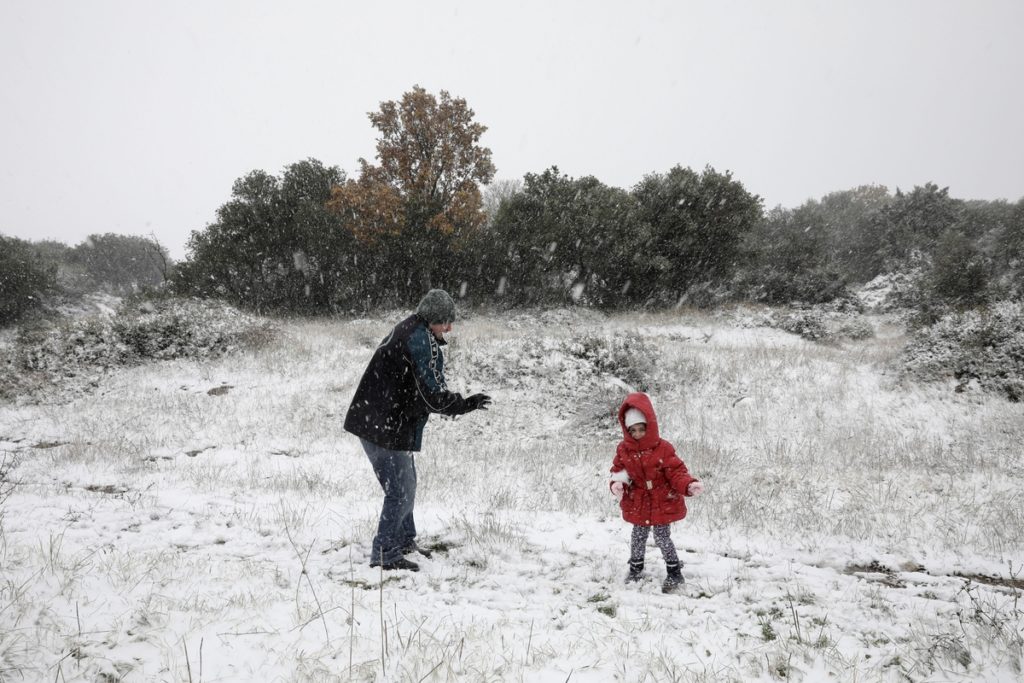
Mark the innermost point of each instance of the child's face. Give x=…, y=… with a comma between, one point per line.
x=637, y=431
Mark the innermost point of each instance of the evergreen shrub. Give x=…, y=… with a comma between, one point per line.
x=984, y=346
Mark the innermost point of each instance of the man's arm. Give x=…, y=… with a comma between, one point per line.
x=430, y=383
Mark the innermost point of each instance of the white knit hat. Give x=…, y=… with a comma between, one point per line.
x=634, y=416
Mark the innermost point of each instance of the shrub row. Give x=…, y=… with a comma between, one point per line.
x=168, y=329
x=985, y=347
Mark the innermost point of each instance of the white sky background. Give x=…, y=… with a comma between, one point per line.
x=136, y=117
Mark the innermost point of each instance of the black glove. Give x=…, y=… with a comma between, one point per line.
x=478, y=402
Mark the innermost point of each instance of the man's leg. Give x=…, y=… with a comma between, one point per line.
x=408, y=526
x=397, y=476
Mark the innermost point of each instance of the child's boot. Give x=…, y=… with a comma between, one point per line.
x=673, y=578
x=636, y=571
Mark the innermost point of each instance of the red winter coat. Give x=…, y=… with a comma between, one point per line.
x=658, y=479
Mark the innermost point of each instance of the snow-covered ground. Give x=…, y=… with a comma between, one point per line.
x=211, y=521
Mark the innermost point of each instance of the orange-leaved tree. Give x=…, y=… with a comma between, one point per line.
x=414, y=209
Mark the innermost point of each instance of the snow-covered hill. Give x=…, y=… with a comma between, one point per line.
x=210, y=520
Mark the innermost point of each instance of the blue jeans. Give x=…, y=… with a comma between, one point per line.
x=396, y=530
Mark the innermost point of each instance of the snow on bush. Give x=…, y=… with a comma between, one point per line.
x=820, y=324
x=630, y=358
x=807, y=324
x=855, y=328
x=983, y=347
x=173, y=328
x=189, y=329
x=891, y=291
x=580, y=358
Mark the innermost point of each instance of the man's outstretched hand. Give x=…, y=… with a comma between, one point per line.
x=478, y=402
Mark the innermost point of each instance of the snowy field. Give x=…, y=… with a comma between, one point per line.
x=211, y=521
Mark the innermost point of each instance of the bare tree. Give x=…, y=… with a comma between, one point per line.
x=158, y=256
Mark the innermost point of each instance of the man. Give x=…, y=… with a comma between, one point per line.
x=401, y=386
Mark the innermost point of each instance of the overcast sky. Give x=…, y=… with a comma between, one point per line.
x=135, y=117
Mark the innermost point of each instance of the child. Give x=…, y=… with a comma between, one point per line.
x=650, y=482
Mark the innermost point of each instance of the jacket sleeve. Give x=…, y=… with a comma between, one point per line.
x=675, y=469
x=428, y=371
x=618, y=470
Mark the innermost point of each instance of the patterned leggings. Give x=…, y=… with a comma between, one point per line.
x=662, y=538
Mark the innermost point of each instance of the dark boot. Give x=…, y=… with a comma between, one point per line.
x=636, y=571
x=409, y=550
x=673, y=577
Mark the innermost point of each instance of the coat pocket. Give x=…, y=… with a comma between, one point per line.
x=671, y=503
x=631, y=501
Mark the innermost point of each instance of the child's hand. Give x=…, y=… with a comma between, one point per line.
x=695, y=488
x=617, y=489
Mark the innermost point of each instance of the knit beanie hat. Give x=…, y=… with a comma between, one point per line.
x=634, y=416
x=437, y=306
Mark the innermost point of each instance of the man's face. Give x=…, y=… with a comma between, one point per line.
x=440, y=329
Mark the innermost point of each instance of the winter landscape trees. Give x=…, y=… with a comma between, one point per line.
x=414, y=212
x=425, y=212
x=24, y=278
x=119, y=263
x=274, y=245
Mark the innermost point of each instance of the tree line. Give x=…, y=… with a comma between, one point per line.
x=428, y=214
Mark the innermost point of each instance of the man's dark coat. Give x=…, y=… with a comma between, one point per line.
x=402, y=385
